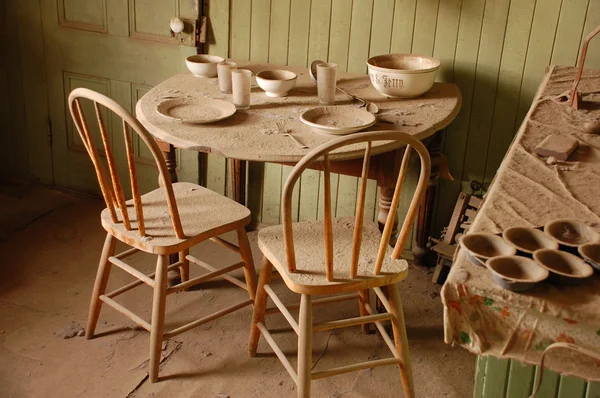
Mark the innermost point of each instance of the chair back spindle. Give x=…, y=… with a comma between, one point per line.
x=322, y=154
x=110, y=183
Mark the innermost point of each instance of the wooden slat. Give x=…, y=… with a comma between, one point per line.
x=282, y=308
x=279, y=31
x=210, y=268
x=343, y=323
x=403, y=26
x=226, y=244
x=381, y=27
x=571, y=387
x=135, y=189
x=358, y=223
x=593, y=390
x=520, y=380
x=132, y=271
x=328, y=230
x=318, y=35
x=138, y=282
x=383, y=333
x=218, y=34
x=568, y=32
x=126, y=253
x=592, y=20
x=495, y=378
x=203, y=278
x=239, y=29
x=206, y=319
x=355, y=367
x=446, y=33
x=321, y=301
x=298, y=39
x=479, y=376
x=126, y=312
x=549, y=385
x=271, y=199
x=259, y=30
x=278, y=352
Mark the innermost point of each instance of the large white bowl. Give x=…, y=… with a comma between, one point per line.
x=402, y=75
x=276, y=82
x=203, y=65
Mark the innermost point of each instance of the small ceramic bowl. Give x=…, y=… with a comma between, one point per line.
x=571, y=233
x=402, y=75
x=203, y=65
x=591, y=253
x=516, y=273
x=482, y=246
x=276, y=82
x=528, y=240
x=564, y=267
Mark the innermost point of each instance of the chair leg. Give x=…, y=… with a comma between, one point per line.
x=158, y=316
x=305, y=346
x=100, y=284
x=260, y=304
x=363, y=298
x=400, y=340
x=184, y=270
x=246, y=253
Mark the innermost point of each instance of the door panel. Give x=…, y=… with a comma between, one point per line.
x=120, y=49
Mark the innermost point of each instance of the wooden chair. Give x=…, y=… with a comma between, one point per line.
x=166, y=221
x=310, y=263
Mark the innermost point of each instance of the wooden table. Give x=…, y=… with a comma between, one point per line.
x=251, y=135
x=528, y=191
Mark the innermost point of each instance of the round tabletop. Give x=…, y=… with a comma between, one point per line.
x=253, y=134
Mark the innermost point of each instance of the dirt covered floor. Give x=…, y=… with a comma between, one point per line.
x=51, y=242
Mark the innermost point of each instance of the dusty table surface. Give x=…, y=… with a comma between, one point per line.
x=488, y=320
x=252, y=134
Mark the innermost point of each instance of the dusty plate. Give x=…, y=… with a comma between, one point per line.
x=195, y=110
x=338, y=120
x=516, y=273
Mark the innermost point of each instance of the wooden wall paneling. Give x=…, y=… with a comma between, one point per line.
x=149, y=20
x=549, y=385
x=484, y=93
x=568, y=32
x=571, y=387
x=520, y=380
x=480, y=365
x=35, y=90
x=7, y=124
x=514, y=53
x=403, y=26
x=88, y=15
x=346, y=196
x=279, y=31
x=495, y=378
x=218, y=27
x=259, y=30
x=360, y=35
x=592, y=20
x=271, y=200
x=467, y=50
x=339, y=36
x=541, y=41
x=309, y=195
x=239, y=29
x=298, y=38
x=318, y=34
x=446, y=33
x=381, y=27
x=425, y=27
x=593, y=389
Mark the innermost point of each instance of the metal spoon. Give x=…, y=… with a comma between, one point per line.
x=369, y=106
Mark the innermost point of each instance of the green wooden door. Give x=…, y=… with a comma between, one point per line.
x=120, y=48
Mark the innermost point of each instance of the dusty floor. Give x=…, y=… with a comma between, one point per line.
x=51, y=243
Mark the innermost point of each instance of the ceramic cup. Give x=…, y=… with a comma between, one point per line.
x=326, y=83
x=224, y=72
x=241, y=82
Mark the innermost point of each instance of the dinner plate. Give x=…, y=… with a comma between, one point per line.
x=195, y=110
x=338, y=120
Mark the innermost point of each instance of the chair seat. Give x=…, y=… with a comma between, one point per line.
x=203, y=213
x=310, y=278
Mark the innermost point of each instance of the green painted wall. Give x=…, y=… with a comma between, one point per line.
x=505, y=378
x=495, y=51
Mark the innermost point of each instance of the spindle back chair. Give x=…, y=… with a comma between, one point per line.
x=166, y=221
x=335, y=256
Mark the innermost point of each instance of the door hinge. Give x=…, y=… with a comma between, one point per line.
x=49, y=132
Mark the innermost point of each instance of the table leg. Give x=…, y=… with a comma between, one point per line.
x=238, y=180
x=385, y=200
x=425, y=215
x=173, y=276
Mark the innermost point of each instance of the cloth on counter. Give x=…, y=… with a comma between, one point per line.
x=488, y=320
